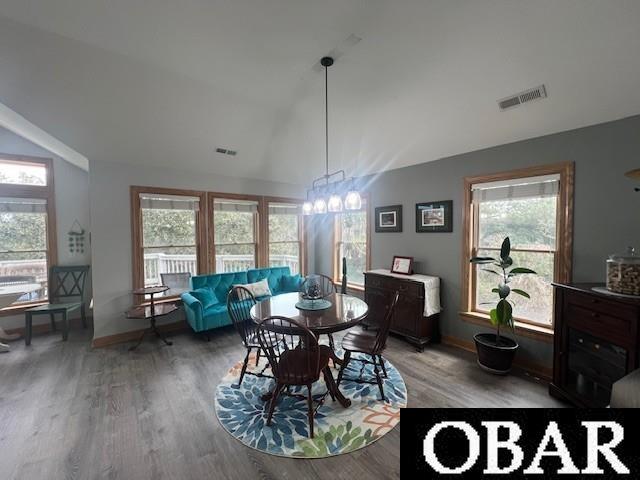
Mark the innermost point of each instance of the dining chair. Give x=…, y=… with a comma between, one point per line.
x=66, y=294
x=370, y=344
x=327, y=287
x=296, y=360
x=239, y=303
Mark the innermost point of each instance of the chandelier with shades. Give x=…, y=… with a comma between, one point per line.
x=325, y=194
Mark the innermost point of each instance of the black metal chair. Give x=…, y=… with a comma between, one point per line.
x=239, y=303
x=65, y=284
x=296, y=359
x=371, y=344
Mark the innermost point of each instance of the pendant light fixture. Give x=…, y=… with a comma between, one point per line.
x=326, y=186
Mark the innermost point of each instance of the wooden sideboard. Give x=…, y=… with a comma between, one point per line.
x=595, y=343
x=408, y=319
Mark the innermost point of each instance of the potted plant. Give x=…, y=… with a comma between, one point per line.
x=495, y=351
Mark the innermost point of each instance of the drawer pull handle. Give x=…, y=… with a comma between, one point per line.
x=597, y=346
x=580, y=340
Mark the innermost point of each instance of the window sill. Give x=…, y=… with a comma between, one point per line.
x=536, y=332
x=19, y=309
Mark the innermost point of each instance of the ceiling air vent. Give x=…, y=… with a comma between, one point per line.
x=523, y=97
x=226, y=151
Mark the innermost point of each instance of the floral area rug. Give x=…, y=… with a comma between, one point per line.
x=337, y=430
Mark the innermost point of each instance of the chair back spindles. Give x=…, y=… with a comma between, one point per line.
x=239, y=303
x=327, y=287
x=383, y=332
x=292, y=350
x=67, y=283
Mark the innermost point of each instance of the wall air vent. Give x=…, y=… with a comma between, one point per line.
x=530, y=95
x=226, y=151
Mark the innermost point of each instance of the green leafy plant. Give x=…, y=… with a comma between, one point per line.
x=502, y=314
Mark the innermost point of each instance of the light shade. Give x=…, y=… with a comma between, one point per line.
x=334, y=204
x=353, y=201
x=307, y=208
x=319, y=206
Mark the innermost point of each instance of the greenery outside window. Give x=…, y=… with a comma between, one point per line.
x=285, y=235
x=351, y=241
x=169, y=235
x=235, y=229
x=27, y=215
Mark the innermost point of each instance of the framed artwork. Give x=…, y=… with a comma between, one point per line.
x=389, y=219
x=434, y=216
x=403, y=265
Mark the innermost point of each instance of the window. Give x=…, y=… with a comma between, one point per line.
x=533, y=208
x=27, y=236
x=285, y=234
x=169, y=222
x=235, y=231
x=351, y=232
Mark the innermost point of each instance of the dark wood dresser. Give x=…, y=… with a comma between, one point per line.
x=595, y=343
x=408, y=319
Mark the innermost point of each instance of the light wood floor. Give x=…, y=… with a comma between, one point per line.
x=71, y=412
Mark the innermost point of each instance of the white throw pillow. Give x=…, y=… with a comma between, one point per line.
x=258, y=289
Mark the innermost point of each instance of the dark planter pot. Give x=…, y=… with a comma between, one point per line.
x=495, y=358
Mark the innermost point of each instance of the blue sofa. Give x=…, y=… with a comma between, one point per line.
x=220, y=284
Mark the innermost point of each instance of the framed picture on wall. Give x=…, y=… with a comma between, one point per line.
x=389, y=219
x=434, y=216
x=403, y=265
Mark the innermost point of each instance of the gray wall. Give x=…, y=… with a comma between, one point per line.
x=72, y=202
x=605, y=214
x=111, y=229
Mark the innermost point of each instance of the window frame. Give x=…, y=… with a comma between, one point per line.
x=337, y=234
x=45, y=192
x=302, y=231
x=137, y=232
x=211, y=244
x=564, y=240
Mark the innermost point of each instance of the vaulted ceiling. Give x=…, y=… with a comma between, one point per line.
x=166, y=82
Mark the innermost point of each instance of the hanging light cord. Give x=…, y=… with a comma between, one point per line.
x=326, y=119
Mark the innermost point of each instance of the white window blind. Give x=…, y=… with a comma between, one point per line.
x=224, y=205
x=283, y=209
x=169, y=202
x=23, y=205
x=531, y=187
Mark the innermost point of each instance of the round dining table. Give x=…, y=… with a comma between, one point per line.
x=8, y=295
x=345, y=312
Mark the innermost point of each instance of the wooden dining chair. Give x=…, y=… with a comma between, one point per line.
x=239, y=303
x=296, y=359
x=372, y=345
x=327, y=287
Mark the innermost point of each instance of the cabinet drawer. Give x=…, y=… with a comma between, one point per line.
x=602, y=305
x=618, y=330
x=405, y=287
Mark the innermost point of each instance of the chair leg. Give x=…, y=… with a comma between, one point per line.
x=310, y=409
x=384, y=370
x=378, y=378
x=331, y=343
x=65, y=326
x=52, y=317
x=27, y=328
x=83, y=316
x=343, y=367
x=258, y=356
x=326, y=373
x=274, y=399
x=244, y=366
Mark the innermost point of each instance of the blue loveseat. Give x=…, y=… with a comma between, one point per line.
x=202, y=319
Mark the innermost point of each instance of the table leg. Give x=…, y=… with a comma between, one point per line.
x=155, y=330
x=131, y=349
x=335, y=391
